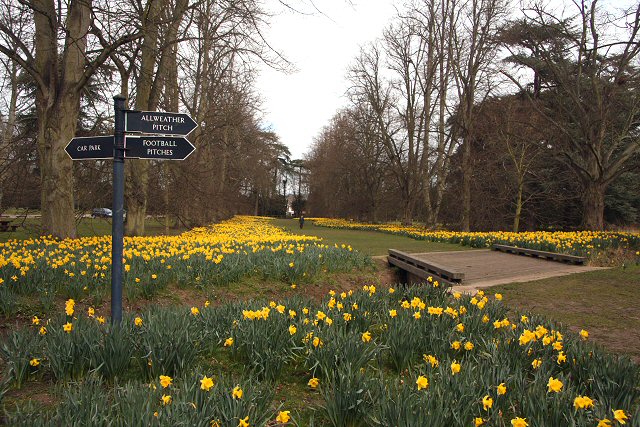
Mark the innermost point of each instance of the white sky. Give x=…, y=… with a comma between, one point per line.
x=297, y=106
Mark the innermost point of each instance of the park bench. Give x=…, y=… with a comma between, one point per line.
x=571, y=259
x=418, y=270
x=6, y=226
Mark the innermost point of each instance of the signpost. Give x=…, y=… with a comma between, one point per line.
x=119, y=147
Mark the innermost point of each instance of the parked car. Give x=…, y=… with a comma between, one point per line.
x=101, y=213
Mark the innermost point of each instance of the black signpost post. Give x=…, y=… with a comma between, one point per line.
x=120, y=147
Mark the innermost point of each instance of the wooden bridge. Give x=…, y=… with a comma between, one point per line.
x=484, y=267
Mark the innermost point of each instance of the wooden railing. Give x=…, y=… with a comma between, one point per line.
x=424, y=269
x=571, y=259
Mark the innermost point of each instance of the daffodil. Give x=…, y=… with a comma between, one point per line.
x=206, y=383
x=487, y=402
x=422, y=382
x=237, y=392
x=283, y=417
x=519, y=422
x=620, y=416
x=313, y=382
x=554, y=385
x=502, y=389
x=526, y=337
x=165, y=381
x=455, y=367
x=582, y=402
x=562, y=357
x=69, y=307
x=428, y=358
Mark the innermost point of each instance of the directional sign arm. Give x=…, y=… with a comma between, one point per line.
x=159, y=122
x=158, y=147
x=90, y=148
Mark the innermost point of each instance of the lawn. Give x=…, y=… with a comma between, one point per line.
x=372, y=243
x=30, y=227
x=603, y=302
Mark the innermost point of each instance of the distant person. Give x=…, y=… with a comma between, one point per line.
x=301, y=221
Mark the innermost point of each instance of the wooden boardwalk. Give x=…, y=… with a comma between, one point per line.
x=483, y=268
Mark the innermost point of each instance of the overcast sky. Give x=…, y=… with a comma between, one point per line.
x=322, y=46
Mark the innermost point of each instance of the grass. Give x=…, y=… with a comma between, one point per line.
x=372, y=243
x=30, y=227
x=604, y=302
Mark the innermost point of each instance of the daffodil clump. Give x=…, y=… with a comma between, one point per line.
x=411, y=355
x=207, y=256
x=582, y=243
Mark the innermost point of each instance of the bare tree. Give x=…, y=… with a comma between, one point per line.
x=475, y=46
x=396, y=80
x=439, y=19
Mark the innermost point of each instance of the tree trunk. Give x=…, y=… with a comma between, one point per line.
x=56, y=127
x=9, y=130
x=593, y=206
x=137, y=171
x=407, y=211
x=224, y=160
x=466, y=184
x=256, y=203
x=441, y=171
x=57, y=107
x=137, y=182
x=516, y=218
